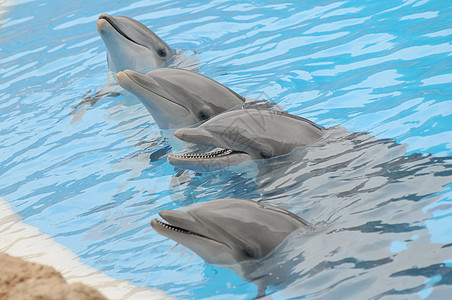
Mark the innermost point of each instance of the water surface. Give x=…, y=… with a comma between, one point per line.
x=378, y=186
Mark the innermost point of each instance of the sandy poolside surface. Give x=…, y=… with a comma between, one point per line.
x=27, y=242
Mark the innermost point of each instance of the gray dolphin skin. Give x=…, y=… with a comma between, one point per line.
x=179, y=98
x=131, y=45
x=244, y=134
x=230, y=230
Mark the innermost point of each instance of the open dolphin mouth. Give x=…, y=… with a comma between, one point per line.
x=156, y=224
x=209, y=161
x=207, y=155
x=175, y=228
x=222, y=156
x=111, y=21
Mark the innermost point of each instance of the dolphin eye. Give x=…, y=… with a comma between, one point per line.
x=250, y=253
x=161, y=52
x=203, y=116
x=264, y=155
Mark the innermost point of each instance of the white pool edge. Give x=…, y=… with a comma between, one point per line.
x=27, y=242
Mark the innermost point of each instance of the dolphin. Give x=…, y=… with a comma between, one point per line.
x=131, y=45
x=228, y=231
x=179, y=98
x=235, y=233
x=242, y=135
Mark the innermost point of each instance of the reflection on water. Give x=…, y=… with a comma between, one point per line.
x=370, y=197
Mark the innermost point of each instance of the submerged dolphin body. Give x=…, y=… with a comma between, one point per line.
x=231, y=231
x=244, y=134
x=131, y=45
x=179, y=98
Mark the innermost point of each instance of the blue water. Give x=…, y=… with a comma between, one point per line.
x=380, y=189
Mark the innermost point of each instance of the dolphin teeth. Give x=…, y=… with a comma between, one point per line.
x=174, y=228
x=218, y=153
x=181, y=230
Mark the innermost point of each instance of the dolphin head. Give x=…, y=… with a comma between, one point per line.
x=130, y=44
x=229, y=231
x=179, y=98
x=244, y=134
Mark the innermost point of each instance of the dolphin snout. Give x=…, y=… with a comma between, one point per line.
x=190, y=134
x=181, y=133
x=124, y=80
x=103, y=23
x=131, y=80
x=198, y=135
x=121, y=76
x=104, y=16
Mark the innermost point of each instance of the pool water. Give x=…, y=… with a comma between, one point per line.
x=90, y=169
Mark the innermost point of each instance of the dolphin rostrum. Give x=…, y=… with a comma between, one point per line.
x=131, y=45
x=230, y=230
x=179, y=98
x=244, y=134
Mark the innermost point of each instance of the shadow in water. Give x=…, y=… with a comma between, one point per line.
x=88, y=101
